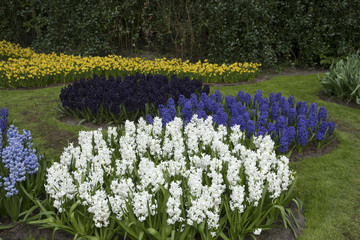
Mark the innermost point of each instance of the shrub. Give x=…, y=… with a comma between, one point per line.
x=291, y=125
x=343, y=79
x=221, y=31
x=20, y=170
x=118, y=99
x=148, y=182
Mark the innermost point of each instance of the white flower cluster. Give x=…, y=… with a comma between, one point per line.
x=196, y=165
x=81, y=173
x=173, y=203
x=121, y=191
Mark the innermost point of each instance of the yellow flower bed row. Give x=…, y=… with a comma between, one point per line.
x=25, y=68
x=9, y=50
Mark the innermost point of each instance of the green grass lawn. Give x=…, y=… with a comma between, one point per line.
x=329, y=185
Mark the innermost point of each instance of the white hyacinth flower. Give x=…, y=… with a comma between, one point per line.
x=195, y=165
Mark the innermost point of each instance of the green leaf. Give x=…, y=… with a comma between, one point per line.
x=223, y=236
x=2, y=227
x=201, y=230
x=128, y=230
x=141, y=235
x=28, y=212
x=154, y=233
x=184, y=234
x=78, y=226
x=173, y=235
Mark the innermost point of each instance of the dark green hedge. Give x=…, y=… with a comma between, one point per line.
x=270, y=32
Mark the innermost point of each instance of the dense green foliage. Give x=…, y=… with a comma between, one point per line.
x=271, y=32
x=343, y=80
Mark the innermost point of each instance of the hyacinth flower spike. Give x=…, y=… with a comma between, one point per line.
x=187, y=112
x=302, y=133
x=3, y=120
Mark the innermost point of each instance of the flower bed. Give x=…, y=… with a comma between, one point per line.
x=291, y=125
x=19, y=164
x=148, y=182
x=120, y=99
x=24, y=68
x=9, y=50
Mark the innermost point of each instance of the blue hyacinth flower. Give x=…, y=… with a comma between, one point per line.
x=165, y=115
x=199, y=111
x=3, y=120
x=171, y=108
x=291, y=133
x=258, y=97
x=291, y=100
x=312, y=120
x=241, y=96
x=262, y=131
x=302, y=108
x=302, y=135
x=271, y=129
x=263, y=119
x=320, y=135
x=278, y=97
x=18, y=158
x=264, y=106
x=280, y=123
x=275, y=112
x=250, y=128
x=284, y=141
x=331, y=128
x=220, y=117
x=247, y=99
x=291, y=116
x=193, y=100
x=272, y=98
x=187, y=111
x=149, y=119
x=322, y=114
x=182, y=100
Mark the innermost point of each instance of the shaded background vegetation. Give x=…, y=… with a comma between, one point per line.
x=271, y=32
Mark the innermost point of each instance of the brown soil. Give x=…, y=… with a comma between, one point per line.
x=74, y=122
x=322, y=95
x=268, y=75
x=312, y=151
x=23, y=231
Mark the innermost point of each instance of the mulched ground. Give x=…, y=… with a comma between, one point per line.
x=267, y=76
x=21, y=231
x=322, y=95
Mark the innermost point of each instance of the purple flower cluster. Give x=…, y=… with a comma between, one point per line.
x=3, y=120
x=287, y=122
x=17, y=159
x=134, y=92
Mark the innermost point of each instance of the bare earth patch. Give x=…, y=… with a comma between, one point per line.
x=22, y=231
x=322, y=95
x=312, y=151
x=268, y=76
